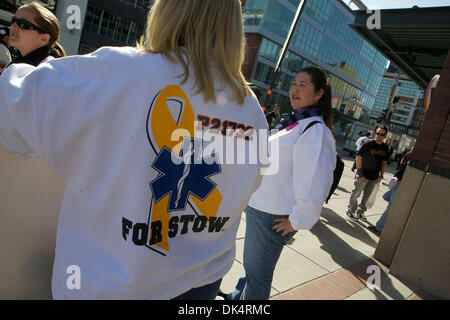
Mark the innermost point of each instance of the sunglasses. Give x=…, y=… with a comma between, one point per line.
x=25, y=24
x=381, y=134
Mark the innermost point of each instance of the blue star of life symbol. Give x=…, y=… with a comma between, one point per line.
x=183, y=175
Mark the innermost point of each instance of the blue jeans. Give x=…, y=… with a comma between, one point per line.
x=206, y=292
x=262, y=249
x=388, y=196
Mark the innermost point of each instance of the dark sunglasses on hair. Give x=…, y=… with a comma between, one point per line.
x=25, y=24
x=381, y=134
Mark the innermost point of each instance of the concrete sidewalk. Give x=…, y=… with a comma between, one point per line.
x=331, y=260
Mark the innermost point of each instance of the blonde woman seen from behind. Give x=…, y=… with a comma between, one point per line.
x=139, y=219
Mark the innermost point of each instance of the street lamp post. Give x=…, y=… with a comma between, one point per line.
x=392, y=99
x=277, y=70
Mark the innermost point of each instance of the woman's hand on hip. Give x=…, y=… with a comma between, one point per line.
x=283, y=225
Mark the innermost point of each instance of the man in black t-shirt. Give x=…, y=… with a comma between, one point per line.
x=371, y=162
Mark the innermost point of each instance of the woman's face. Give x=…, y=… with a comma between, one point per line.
x=27, y=40
x=302, y=92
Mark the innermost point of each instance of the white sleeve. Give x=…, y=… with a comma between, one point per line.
x=40, y=107
x=19, y=118
x=358, y=143
x=314, y=158
x=263, y=125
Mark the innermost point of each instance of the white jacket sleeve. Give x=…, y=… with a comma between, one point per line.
x=314, y=162
x=42, y=108
x=19, y=119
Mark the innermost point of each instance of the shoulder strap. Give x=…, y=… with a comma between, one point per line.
x=310, y=125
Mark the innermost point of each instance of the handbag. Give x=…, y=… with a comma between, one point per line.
x=393, y=182
x=372, y=197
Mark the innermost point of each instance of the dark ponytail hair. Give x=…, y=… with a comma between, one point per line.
x=320, y=81
x=49, y=24
x=56, y=50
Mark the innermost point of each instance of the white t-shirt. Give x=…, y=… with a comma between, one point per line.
x=361, y=141
x=137, y=224
x=305, y=173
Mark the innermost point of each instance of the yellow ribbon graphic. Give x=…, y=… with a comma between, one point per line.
x=161, y=124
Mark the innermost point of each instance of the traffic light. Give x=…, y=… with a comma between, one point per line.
x=269, y=92
x=396, y=99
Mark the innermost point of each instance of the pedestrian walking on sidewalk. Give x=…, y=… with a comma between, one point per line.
x=371, y=163
x=291, y=199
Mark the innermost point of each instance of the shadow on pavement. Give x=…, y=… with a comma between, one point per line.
x=329, y=239
x=350, y=256
x=342, y=189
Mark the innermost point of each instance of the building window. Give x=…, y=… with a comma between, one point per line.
x=306, y=37
x=122, y=29
x=408, y=93
x=136, y=31
x=108, y=24
x=92, y=20
x=113, y=26
x=269, y=50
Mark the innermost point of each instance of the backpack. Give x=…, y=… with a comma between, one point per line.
x=337, y=173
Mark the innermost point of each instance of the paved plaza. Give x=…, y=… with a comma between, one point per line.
x=331, y=260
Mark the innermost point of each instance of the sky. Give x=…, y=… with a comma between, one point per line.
x=392, y=4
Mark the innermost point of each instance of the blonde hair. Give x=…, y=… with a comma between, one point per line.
x=49, y=24
x=211, y=32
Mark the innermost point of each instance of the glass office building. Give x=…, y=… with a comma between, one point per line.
x=323, y=37
x=407, y=112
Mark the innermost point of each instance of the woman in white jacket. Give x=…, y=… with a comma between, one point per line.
x=292, y=198
x=34, y=32
x=146, y=214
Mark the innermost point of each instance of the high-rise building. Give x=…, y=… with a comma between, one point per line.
x=323, y=37
x=404, y=99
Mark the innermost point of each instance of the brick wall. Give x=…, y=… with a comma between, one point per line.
x=433, y=144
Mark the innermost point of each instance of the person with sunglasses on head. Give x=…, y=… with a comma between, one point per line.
x=34, y=32
x=149, y=212
x=371, y=163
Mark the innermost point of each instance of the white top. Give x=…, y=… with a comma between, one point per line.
x=305, y=173
x=361, y=141
x=137, y=225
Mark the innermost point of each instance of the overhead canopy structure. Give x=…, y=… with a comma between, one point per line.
x=417, y=40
